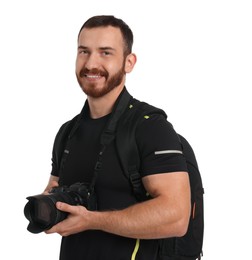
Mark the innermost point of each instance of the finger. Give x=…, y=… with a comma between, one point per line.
x=48, y=188
x=55, y=229
x=53, y=184
x=65, y=207
x=50, y=231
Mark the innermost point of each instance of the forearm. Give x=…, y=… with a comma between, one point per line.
x=53, y=182
x=155, y=218
x=166, y=215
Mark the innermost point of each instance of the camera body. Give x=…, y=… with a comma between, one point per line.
x=41, y=209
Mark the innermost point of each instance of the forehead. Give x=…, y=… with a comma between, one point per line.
x=101, y=37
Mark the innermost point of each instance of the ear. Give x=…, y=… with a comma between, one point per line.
x=130, y=62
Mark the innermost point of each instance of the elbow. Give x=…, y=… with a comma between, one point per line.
x=182, y=227
x=176, y=229
x=182, y=224
x=183, y=220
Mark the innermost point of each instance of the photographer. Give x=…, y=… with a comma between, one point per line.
x=121, y=227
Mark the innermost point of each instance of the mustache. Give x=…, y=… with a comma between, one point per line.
x=94, y=71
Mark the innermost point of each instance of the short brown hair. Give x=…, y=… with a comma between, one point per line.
x=110, y=20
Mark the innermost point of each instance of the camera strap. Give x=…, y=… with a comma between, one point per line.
x=108, y=134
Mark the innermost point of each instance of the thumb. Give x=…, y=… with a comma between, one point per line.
x=51, y=185
x=54, y=184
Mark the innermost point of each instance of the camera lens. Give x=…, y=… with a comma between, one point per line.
x=41, y=210
x=42, y=213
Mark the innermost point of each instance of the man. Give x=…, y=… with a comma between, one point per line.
x=121, y=227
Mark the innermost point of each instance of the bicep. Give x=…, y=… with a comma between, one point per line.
x=171, y=193
x=172, y=185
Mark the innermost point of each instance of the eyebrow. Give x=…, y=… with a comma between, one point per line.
x=100, y=48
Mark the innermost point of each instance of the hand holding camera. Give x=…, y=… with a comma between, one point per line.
x=42, y=212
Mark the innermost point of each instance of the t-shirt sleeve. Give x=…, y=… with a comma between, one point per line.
x=159, y=147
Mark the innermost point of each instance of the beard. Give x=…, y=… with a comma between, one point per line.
x=111, y=82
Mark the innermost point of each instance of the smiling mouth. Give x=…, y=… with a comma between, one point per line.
x=93, y=76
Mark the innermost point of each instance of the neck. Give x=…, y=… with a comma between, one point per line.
x=102, y=106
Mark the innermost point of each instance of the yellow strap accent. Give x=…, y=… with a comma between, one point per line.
x=133, y=257
x=146, y=117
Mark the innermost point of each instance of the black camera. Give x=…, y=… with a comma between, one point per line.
x=41, y=209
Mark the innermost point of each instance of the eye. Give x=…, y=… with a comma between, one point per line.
x=106, y=53
x=83, y=51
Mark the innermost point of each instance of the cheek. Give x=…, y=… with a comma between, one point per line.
x=79, y=63
x=78, y=66
x=115, y=67
x=112, y=70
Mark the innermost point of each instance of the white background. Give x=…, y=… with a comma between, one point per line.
x=194, y=61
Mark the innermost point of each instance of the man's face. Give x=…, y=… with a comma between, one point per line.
x=100, y=63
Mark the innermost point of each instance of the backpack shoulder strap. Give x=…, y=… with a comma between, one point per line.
x=59, y=148
x=127, y=148
x=62, y=141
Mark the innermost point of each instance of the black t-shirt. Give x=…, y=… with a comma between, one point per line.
x=156, y=139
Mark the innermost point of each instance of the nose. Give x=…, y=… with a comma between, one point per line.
x=92, y=61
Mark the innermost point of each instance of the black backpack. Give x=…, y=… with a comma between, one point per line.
x=127, y=114
x=188, y=247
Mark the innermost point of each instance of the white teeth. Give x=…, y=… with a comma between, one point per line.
x=93, y=76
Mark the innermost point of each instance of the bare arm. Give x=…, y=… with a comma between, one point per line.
x=166, y=215
x=53, y=182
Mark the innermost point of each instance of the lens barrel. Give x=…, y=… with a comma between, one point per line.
x=41, y=210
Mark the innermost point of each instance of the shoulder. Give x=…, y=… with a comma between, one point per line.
x=152, y=120
x=67, y=125
x=65, y=129
x=156, y=129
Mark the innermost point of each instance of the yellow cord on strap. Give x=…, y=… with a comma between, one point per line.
x=133, y=257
